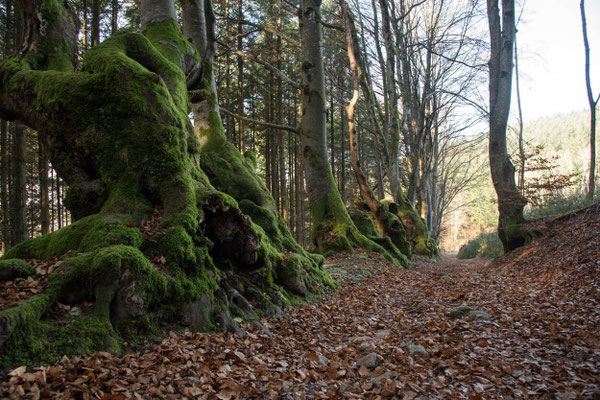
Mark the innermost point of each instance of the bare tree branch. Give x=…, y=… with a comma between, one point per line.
x=258, y=122
x=270, y=67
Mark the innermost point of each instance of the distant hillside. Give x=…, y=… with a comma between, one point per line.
x=566, y=133
x=565, y=138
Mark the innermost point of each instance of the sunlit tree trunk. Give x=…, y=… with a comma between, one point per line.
x=332, y=228
x=43, y=177
x=593, y=104
x=510, y=201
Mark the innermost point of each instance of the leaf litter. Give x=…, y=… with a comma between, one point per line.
x=541, y=340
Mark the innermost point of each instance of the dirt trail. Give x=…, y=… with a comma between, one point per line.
x=386, y=333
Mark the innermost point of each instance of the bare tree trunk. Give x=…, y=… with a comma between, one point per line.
x=52, y=202
x=274, y=134
x=376, y=209
x=84, y=26
x=59, y=207
x=43, y=177
x=593, y=104
x=342, y=181
x=510, y=201
x=332, y=132
x=6, y=240
x=19, y=192
x=521, y=182
x=280, y=137
x=290, y=179
x=4, y=140
x=95, y=22
x=114, y=19
x=240, y=72
x=299, y=196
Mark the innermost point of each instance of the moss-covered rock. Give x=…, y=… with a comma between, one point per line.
x=460, y=311
x=416, y=231
x=363, y=222
x=14, y=268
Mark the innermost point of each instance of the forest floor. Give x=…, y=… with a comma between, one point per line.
x=386, y=333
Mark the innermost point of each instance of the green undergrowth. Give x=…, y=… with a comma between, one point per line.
x=486, y=245
x=560, y=204
x=341, y=273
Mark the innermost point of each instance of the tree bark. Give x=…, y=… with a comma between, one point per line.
x=240, y=73
x=114, y=18
x=342, y=168
x=95, y=22
x=593, y=103
x=414, y=226
x=387, y=224
x=521, y=181
x=280, y=137
x=84, y=28
x=6, y=240
x=43, y=178
x=59, y=205
x=332, y=228
x=19, y=190
x=4, y=139
x=510, y=201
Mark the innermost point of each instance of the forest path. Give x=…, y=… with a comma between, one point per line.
x=534, y=333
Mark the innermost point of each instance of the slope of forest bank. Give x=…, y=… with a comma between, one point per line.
x=533, y=333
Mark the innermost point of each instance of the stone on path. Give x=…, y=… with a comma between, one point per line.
x=416, y=350
x=460, y=311
x=371, y=360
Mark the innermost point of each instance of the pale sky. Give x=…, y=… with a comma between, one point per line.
x=552, y=57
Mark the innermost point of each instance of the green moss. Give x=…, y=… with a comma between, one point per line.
x=363, y=222
x=94, y=333
x=416, y=230
x=126, y=198
x=178, y=246
x=14, y=268
x=512, y=233
x=29, y=311
x=183, y=289
x=82, y=236
x=23, y=336
x=135, y=332
x=51, y=11
x=29, y=348
x=134, y=136
x=251, y=158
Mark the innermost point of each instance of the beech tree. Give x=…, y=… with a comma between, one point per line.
x=510, y=201
x=592, y=103
x=172, y=224
x=333, y=229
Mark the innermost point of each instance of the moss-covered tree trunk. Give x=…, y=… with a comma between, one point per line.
x=172, y=227
x=510, y=202
x=396, y=220
x=332, y=228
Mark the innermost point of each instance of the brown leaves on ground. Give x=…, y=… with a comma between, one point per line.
x=151, y=227
x=15, y=291
x=542, y=340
